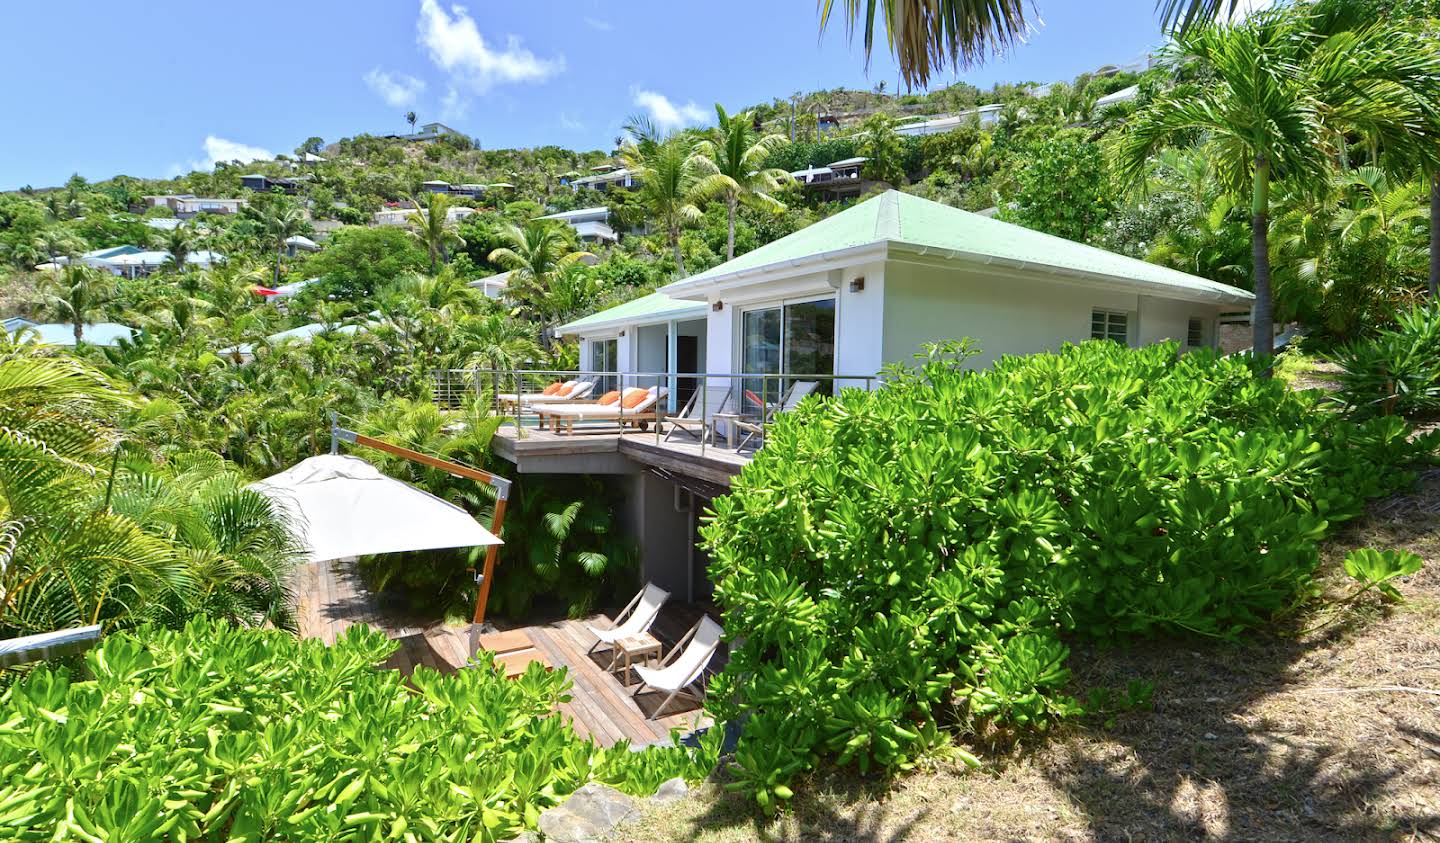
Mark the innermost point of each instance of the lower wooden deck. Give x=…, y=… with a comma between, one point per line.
x=330, y=598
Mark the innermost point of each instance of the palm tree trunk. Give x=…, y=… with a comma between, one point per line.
x=79, y=328
x=279, y=252
x=1262, y=315
x=679, y=259
x=1435, y=238
x=730, y=235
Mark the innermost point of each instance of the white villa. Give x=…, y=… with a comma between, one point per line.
x=828, y=307
x=985, y=116
x=187, y=205
x=591, y=225
x=606, y=176
x=402, y=216
x=134, y=262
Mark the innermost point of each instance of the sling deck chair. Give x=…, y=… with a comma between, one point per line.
x=793, y=396
x=637, y=617
x=684, y=666
x=690, y=416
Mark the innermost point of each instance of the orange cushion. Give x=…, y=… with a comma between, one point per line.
x=610, y=397
x=552, y=388
x=635, y=399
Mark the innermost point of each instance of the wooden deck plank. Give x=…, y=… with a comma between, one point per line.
x=331, y=597
x=584, y=695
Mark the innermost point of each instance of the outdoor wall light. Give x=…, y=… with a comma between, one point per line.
x=718, y=306
x=857, y=285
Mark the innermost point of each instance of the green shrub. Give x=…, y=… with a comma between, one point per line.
x=1395, y=371
x=227, y=734
x=898, y=562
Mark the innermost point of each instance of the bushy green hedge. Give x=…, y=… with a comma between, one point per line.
x=896, y=562
x=1397, y=370
x=244, y=735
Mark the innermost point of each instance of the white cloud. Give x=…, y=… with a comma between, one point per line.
x=666, y=114
x=456, y=46
x=220, y=149
x=599, y=25
x=569, y=123
x=398, y=90
x=1243, y=9
x=453, y=106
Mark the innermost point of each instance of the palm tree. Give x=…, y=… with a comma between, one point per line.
x=535, y=255
x=882, y=145
x=668, y=174
x=1281, y=89
x=179, y=242
x=410, y=118
x=280, y=221
x=436, y=230
x=79, y=296
x=927, y=35
x=731, y=161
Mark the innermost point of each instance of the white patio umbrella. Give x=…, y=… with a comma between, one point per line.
x=342, y=506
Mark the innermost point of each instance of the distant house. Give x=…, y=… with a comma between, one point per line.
x=264, y=184
x=140, y=264
x=300, y=243
x=187, y=205
x=605, y=177
x=494, y=286
x=301, y=335
x=591, y=225
x=1122, y=95
x=104, y=334
x=436, y=186
x=428, y=132
x=837, y=180
x=403, y=216
x=164, y=223
x=984, y=116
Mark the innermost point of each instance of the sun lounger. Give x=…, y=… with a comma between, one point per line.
x=641, y=412
x=634, y=619
x=684, y=666
x=569, y=391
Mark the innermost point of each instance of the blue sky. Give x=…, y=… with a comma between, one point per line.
x=154, y=87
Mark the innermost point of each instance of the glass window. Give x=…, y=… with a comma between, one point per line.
x=1195, y=333
x=795, y=339
x=605, y=357
x=1110, y=325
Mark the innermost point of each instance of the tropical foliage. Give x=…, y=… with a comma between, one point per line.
x=212, y=732
x=886, y=579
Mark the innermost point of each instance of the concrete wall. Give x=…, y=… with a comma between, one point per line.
x=661, y=533
x=1014, y=315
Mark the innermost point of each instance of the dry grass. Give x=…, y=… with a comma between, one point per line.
x=1275, y=738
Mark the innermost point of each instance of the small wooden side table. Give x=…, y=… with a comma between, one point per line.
x=729, y=419
x=643, y=646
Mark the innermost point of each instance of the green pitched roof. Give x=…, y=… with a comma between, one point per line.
x=656, y=307
x=899, y=219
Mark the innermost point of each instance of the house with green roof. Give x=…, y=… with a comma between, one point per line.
x=834, y=303
x=872, y=284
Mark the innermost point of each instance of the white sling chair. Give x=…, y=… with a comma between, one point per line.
x=676, y=674
x=637, y=618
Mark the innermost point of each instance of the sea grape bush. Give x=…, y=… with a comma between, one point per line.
x=896, y=563
x=219, y=733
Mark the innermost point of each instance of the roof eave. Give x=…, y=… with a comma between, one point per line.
x=1239, y=297
x=576, y=328
x=698, y=288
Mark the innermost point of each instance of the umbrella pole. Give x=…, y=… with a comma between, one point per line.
x=339, y=434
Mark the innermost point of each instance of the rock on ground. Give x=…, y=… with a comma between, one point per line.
x=588, y=815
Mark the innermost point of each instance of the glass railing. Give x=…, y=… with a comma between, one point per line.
x=701, y=410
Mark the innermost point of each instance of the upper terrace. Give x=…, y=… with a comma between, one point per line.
x=700, y=426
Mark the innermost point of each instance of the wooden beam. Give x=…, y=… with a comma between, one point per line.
x=454, y=468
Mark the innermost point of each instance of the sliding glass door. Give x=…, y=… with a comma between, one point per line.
x=604, y=357
x=796, y=338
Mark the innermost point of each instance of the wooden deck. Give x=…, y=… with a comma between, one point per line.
x=331, y=598
x=544, y=451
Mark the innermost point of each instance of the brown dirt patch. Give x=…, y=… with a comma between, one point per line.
x=1281, y=737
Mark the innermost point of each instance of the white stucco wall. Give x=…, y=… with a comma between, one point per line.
x=1007, y=314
